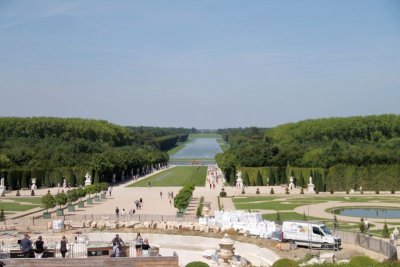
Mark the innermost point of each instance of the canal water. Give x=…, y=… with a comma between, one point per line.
x=199, y=148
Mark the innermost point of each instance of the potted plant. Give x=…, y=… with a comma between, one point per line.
x=48, y=202
x=61, y=199
x=90, y=189
x=104, y=188
x=81, y=193
x=97, y=189
x=72, y=197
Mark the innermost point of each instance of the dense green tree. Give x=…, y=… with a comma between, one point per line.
x=48, y=201
x=246, y=179
x=259, y=181
x=272, y=180
x=61, y=199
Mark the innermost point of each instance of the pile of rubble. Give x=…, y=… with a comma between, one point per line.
x=111, y=224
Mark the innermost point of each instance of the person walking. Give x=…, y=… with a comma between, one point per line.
x=39, y=248
x=26, y=246
x=110, y=190
x=63, y=246
x=117, y=211
x=138, y=245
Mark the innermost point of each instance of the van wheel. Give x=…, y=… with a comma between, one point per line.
x=325, y=246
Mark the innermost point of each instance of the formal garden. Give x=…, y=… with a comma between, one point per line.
x=176, y=176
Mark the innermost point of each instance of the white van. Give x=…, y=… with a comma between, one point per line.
x=309, y=234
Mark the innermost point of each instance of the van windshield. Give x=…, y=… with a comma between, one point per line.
x=326, y=230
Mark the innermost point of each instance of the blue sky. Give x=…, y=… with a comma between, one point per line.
x=203, y=64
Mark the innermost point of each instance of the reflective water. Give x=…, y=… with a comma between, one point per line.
x=370, y=212
x=199, y=148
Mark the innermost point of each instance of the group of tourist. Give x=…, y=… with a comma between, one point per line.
x=142, y=246
x=26, y=246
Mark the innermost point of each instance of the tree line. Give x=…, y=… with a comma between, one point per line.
x=361, y=144
x=54, y=149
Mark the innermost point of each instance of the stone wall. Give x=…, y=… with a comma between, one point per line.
x=95, y=262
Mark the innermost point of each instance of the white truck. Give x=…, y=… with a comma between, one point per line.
x=309, y=234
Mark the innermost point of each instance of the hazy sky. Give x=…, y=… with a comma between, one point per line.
x=203, y=64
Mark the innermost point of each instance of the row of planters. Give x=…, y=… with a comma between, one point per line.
x=49, y=201
x=183, y=198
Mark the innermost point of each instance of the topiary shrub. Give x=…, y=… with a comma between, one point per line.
x=302, y=191
x=377, y=191
x=258, y=191
x=285, y=263
x=361, y=226
x=347, y=191
x=317, y=191
x=272, y=191
x=197, y=264
x=222, y=193
x=243, y=192
x=287, y=190
x=331, y=191
x=385, y=231
x=363, y=261
x=392, y=191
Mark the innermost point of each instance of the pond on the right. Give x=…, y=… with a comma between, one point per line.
x=370, y=212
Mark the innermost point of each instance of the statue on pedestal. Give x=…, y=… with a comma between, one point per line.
x=239, y=180
x=311, y=186
x=88, y=180
x=291, y=184
x=2, y=187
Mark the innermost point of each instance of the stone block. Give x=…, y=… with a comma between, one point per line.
x=93, y=225
x=77, y=224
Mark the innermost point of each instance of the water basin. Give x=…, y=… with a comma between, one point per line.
x=370, y=212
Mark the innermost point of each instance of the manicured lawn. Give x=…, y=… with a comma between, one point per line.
x=12, y=206
x=267, y=205
x=286, y=216
x=223, y=145
x=252, y=199
x=33, y=200
x=177, y=176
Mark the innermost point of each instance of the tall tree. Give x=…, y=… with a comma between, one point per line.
x=246, y=179
x=272, y=180
x=259, y=181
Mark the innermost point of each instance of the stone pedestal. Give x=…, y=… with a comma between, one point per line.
x=2, y=189
x=311, y=188
x=226, y=250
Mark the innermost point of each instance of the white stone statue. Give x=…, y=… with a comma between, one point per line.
x=33, y=186
x=239, y=175
x=311, y=186
x=291, y=184
x=114, y=178
x=65, y=183
x=239, y=180
x=88, y=180
x=2, y=186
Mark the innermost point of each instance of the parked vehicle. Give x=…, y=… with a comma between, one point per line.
x=309, y=234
